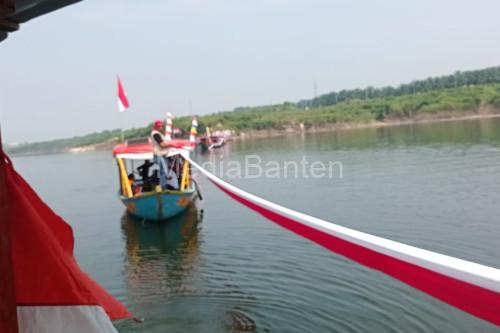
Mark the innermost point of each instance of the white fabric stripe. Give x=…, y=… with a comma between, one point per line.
x=480, y=275
x=121, y=107
x=148, y=156
x=140, y=156
x=64, y=319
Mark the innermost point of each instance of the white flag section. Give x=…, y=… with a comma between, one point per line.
x=71, y=319
x=468, y=286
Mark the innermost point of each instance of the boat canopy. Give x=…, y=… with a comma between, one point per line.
x=144, y=151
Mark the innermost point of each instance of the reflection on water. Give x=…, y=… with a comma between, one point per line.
x=157, y=252
x=165, y=279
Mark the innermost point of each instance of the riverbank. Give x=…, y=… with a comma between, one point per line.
x=461, y=103
x=108, y=145
x=450, y=116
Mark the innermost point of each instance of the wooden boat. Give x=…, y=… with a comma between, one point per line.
x=143, y=196
x=210, y=142
x=217, y=142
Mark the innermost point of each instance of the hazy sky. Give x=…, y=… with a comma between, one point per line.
x=58, y=71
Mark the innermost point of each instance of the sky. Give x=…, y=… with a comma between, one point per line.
x=58, y=72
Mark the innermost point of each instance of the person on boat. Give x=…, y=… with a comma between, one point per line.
x=148, y=182
x=131, y=180
x=172, y=180
x=160, y=151
x=143, y=170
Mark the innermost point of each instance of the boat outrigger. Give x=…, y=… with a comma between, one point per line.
x=140, y=190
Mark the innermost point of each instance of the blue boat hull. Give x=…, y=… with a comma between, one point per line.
x=159, y=206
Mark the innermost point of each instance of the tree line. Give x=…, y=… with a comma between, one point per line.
x=458, y=79
x=458, y=93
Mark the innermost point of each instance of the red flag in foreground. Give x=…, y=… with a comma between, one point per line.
x=122, y=97
x=52, y=294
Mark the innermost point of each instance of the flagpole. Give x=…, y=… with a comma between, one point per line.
x=120, y=124
x=121, y=133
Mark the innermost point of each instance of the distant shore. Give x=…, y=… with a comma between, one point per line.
x=448, y=116
x=461, y=96
x=484, y=112
x=293, y=130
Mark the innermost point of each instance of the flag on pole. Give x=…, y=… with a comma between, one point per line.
x=194, y=130
x=122, y=97
x=51, y=293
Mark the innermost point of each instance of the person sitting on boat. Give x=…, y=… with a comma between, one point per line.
x=172, y=181
x=131, y=180
x=160, y=151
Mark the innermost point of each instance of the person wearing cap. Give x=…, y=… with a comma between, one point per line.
x=160, y=151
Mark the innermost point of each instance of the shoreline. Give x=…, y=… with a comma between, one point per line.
x=302, y=129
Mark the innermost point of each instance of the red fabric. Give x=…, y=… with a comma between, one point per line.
x=470, y=298
x=121, y=95
x=8, y=311
x=135, y=149
x=45, y=271
x=147, y=148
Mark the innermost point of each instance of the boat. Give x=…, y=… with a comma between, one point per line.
x=142, y=194
x=217, y=142
x=212, y=141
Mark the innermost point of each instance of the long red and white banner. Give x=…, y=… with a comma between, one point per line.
x=468, y=286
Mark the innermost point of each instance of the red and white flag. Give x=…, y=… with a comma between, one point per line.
x=48, y=292
x=122, y=97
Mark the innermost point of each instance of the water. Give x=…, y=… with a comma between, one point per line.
x=223, y=268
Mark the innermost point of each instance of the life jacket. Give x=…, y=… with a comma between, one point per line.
x=157, y=149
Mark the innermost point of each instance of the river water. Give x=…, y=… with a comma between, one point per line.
x=223, y=268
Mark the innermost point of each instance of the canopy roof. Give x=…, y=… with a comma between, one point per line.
x=14, y=12
x=144, y=151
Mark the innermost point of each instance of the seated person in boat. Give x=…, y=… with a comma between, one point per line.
x=131, y=179
x=172, y=180
x=176, y=164
x=135, y=188
x=160, y=151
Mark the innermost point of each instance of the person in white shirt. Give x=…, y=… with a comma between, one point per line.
x=160, y=151
x=172, y=181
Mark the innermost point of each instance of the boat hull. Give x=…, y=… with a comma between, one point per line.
x=159, y=206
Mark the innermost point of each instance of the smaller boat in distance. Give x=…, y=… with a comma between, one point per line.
x=140, y=190
x=212, y=141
